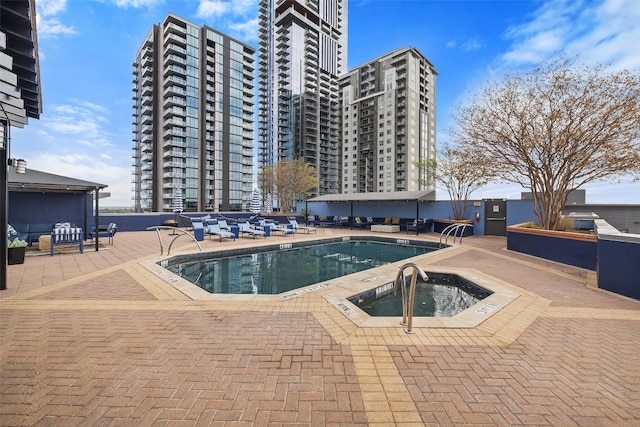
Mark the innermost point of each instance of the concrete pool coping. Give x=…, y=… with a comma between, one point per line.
x=337, y=291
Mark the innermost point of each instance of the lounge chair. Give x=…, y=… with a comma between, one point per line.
x=296, y=226
x=213, y=229
x=222, y=223
x=263, y=224
x=286, y=231
x=245, y=228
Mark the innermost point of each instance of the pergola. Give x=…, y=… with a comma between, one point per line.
x=394, y=196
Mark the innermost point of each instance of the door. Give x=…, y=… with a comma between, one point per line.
x=495, y=217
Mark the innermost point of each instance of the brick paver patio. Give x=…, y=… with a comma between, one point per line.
x=101, y=339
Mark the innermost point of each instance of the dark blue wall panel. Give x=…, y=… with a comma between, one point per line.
x=579, y=253
x=619, y=267
x=31, y=207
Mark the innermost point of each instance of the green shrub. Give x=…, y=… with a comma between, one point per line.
x=565, y=224
x=530, y=225
x=16, y=243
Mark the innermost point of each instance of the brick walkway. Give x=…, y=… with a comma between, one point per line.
x=100, y=339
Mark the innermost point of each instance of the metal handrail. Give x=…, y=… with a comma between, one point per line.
x=168, y=227
x=408, y=300
x=453, y=228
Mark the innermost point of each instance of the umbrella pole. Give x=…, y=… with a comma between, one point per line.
x=173, y=232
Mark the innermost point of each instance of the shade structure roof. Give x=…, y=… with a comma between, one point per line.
x=33, y=180
x=20, y=83
x=394, y=196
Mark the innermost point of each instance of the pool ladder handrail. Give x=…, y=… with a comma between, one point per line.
x=408, y=299
x=453, y=229
x=180, y=232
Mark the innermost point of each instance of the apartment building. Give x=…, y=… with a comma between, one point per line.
x=302, y=51
x=388, y=124
x=193, y=92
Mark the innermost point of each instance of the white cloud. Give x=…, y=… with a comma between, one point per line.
x=80, y=120
x=471, y=44
x=246, y=30
x=136, y=4
x=213, y=8
x=604, y=32
x=77, y=140
x=239, y=16
x=46, y=24
x=88, y=167
x=466, y=45
x=50, y=7
x=53, y=27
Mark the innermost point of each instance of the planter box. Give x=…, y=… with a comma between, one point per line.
x=15, y=255
x=577, y=249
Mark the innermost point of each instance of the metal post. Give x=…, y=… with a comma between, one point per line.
x=417, y=216
x=97, y=215
x=4, y=202
x=351, y=215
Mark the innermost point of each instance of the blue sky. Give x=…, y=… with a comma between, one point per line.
x=87, y=48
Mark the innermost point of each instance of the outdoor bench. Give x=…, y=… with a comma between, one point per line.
x=66, y=236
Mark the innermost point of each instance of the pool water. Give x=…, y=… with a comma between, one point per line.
x=277, y=271
x=443, y=295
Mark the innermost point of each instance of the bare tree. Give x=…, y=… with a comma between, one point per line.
x=290, y=179
x=460, y=170
x=556, y=128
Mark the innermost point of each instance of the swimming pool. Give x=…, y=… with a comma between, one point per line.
x=443, y=295
x=273, y=270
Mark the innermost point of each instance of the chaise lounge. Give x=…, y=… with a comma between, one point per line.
x=245, y=228
x=213, y=229
x=296, y=226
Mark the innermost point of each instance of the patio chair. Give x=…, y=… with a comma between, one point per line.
x=296, y=226
x=421, y=225
x=245, y=228
x=222, y=223
x=111, y=231
x=213, y=229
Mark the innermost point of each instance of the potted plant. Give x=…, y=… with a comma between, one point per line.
x=16, y=249
x=170, y=223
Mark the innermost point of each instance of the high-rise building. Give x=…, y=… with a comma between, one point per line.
x=388, y=124
x=302, y=52
x=193, y=119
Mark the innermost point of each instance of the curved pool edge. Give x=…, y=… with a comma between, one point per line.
x=337, y=291
x=502, y=295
